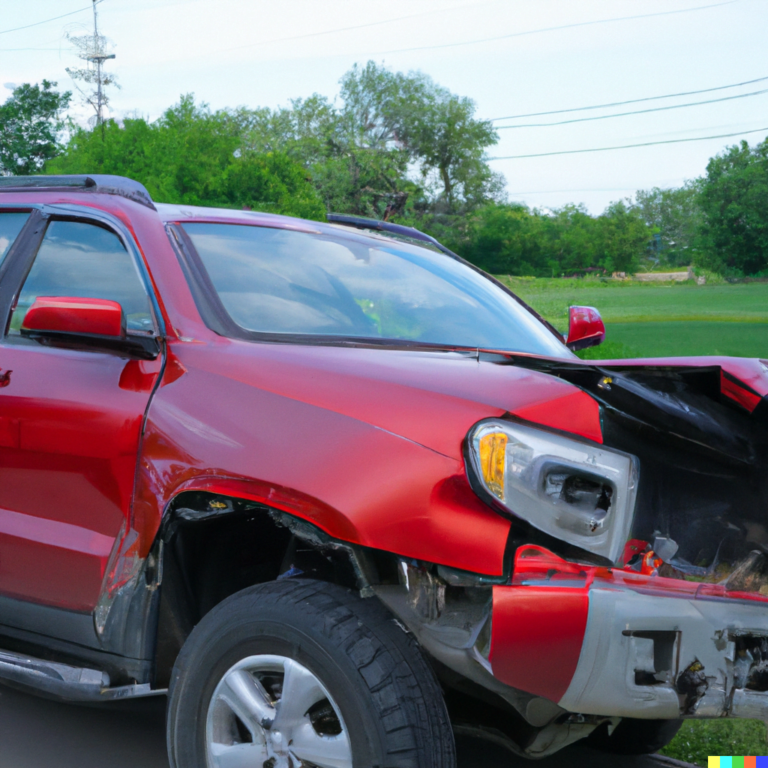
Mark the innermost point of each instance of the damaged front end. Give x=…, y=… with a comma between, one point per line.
x=677, y=624
x=637, y=584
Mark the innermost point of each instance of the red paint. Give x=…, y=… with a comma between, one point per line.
x=575, y=412
x=358, y=481
x=536, y=637
x=535, y=562
x=69, y=439
x=633, y=547
x=745, y=396
x=585, y=327
x=75, y=315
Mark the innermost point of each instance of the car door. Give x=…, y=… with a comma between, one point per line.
x=70, y=418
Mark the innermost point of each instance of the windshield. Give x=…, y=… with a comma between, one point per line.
x=280, y=281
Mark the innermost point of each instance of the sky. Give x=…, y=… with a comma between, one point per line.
x=512, y=57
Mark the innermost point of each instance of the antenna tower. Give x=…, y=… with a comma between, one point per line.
x=93, y=49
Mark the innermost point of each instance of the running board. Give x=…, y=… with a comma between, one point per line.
x=65, y=682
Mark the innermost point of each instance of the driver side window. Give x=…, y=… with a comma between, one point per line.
x=85, y=260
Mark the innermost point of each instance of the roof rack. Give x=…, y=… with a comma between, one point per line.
x=360, y=222
x=102, y=183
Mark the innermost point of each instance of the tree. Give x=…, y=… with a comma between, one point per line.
x=193, y=156
x=505, y=239
x=621, y=237
x=397, y=144
x=436, y=128
x=31, y=121
x=734, y=202
x=676, y=217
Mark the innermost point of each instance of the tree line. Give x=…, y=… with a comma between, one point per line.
x=399, y=147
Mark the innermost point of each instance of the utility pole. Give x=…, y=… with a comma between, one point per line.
x=93, y=49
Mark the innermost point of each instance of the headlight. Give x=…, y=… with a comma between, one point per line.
x=579, y=492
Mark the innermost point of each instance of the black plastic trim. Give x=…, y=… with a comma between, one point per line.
x=133, y=346
x=101, y=183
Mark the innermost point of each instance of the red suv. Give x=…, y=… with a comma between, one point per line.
x=337, y=492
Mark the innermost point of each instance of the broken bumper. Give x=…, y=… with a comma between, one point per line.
x=603, y=642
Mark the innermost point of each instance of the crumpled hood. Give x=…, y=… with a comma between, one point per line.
x=699, y=427
x=434, y=397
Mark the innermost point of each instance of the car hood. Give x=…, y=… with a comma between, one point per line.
x=433, y=397
x=429, y=397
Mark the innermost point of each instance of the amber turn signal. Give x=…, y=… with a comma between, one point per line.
x=493, y=453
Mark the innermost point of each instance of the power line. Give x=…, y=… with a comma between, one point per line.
x=630, y=101
x=568, y=191
x=357, y=26
x=45, y=21
x=553, y=29
x=634, y=112
x=628, y=146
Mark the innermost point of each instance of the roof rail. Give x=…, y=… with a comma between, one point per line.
x=105, y=184
x=360, y=222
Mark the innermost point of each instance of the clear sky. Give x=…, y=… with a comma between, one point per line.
x=512, y=57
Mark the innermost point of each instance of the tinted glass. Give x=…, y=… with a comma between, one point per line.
x=83, y=260
x=10, y=226
x=282, y=281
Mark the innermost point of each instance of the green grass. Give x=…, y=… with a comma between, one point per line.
x=647, y=320
x=653, y=320
x=698, y=739
x=641, y=302
x=670, y=339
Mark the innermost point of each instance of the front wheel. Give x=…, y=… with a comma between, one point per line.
x=304, y=674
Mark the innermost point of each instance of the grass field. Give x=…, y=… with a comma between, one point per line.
x=646, y=320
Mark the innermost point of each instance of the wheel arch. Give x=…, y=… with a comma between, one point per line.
x=212, y=545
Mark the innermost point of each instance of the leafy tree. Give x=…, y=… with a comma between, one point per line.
x=193, y=156
x=505, y=239
x=436, y=128
x=397, y=144
x=675, y=215
x=734, y=202
x=511, y=239
x=570, y=239
x=31, y=121
x=351, y=175
x=622, y=238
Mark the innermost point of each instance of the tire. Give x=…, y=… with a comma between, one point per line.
x=381, y=692
x=635, y=737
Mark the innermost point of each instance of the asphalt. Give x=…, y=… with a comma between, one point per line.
x=36, y=733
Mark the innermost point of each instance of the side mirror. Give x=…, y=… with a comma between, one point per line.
x=81, y=323
x=585, y=328
x=74, y=316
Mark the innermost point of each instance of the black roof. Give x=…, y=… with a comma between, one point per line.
x=105, y=184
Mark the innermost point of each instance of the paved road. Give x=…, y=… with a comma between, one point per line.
x=35, y=733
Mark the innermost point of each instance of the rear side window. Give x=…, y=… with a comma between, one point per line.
x=78, y=259
x=10, y=226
